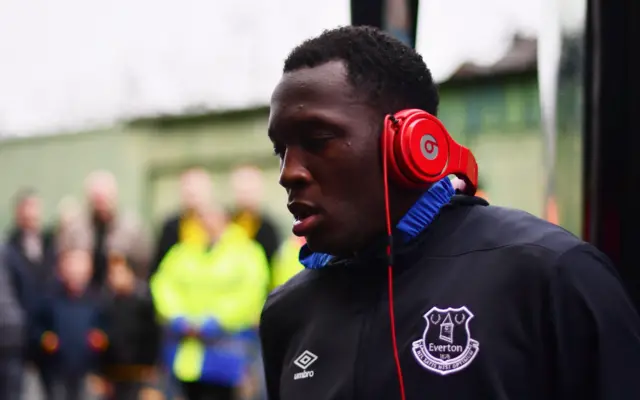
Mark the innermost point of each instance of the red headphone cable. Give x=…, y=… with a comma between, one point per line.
x=392, y=318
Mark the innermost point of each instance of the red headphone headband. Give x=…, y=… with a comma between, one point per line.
x=421, y=152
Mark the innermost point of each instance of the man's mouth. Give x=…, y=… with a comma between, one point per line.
x=307, y=217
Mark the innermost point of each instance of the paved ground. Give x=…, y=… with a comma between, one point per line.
x=33, y=391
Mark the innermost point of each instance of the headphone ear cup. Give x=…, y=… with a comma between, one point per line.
x=419, y=151
x=420, y=148
x=389, y=136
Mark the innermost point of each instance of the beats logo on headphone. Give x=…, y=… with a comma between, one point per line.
x=429, y=147
x=420, y=152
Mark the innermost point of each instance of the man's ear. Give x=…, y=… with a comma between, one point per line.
x=458, y=184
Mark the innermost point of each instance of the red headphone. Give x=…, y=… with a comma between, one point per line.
x=420, y=152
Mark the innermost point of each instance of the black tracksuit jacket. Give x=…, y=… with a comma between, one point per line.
x=490, y=304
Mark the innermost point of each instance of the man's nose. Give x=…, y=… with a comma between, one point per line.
x=293, y=173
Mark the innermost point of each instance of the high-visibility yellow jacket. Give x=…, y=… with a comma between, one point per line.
x=286, y=262
x=218, y=292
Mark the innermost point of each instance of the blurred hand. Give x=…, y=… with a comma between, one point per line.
x=210, y=329
x=458, y=184
x=193, y=332
x=49, y=342
x=98, y=340
x=181, y=327
x=98, y=385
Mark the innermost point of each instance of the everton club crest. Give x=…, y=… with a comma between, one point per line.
x=446, y=345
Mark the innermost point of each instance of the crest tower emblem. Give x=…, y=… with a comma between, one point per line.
x=446, y=345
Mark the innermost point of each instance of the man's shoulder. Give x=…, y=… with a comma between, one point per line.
x=287, y=298
x=494, y=228
x=503, y=242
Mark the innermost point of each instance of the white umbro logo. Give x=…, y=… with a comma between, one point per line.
x=304, y=361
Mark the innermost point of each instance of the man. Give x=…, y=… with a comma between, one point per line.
x=488, y=303
x=209, y=297
x=29, y=259
x=29, y=250
x=186, y=226
x=111, y=226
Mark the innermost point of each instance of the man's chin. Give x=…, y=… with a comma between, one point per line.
x=327, y=244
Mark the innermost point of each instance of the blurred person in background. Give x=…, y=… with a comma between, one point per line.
x=29, y=252
x=30, y=260
x=108, y=225
x=247, y=184
x=69, y=328
x=286, y=262
x=133, y=333
x=209, y=297
x=185, y=225
x=12, y=330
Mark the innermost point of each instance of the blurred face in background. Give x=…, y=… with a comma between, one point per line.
x=120, y=277
x=247, y=186
x=76, y=269
x=195, y=190
x=29, y=214
x=102, y=193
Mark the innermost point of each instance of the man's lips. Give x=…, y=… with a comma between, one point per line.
x=307, y=217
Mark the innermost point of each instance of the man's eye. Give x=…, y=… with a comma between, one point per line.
x=316, y=143
x=279, y=151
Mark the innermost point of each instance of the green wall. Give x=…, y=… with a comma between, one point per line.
x=57, y=165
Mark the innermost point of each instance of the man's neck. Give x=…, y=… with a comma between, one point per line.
x=401, y=203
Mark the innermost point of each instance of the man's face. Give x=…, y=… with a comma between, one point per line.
x=327, y=139
x=29, y=214
x=76, y=269
x=195, y=190
x=103, y=196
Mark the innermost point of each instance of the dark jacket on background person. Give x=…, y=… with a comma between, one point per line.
x=489, y=303
x=12, y=317
x=169, y=235
x=134, y=335
x=72, y=319
x=30, y=277
x=12, y=332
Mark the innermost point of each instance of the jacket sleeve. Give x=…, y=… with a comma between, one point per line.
x=254, y=287
x=164, y=286
x=20, y=281
x=597, y=329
